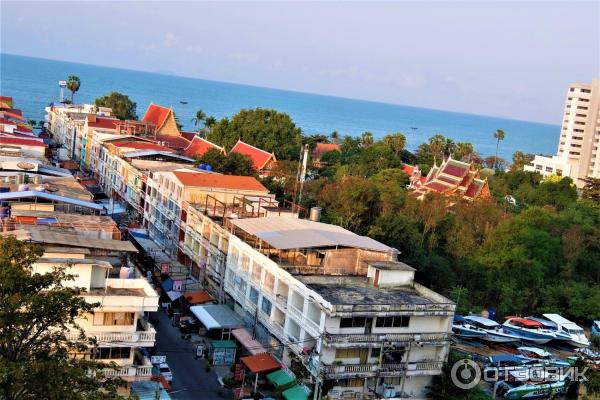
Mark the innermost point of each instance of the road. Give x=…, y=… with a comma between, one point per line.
x=190, y=379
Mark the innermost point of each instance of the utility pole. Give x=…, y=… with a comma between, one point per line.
x=303, y=173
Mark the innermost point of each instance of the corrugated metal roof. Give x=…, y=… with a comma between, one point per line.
x=294, y=233
x=51, y=197
x=54, y=237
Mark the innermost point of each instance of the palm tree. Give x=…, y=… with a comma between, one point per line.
x=366, y=139
x=499, y=135
x=334, y=136
x=395, y=141
x=464, y=151
x=209, y=122
x=200, y=116
x=449, y=147
x=73, y=84
x=436, y=146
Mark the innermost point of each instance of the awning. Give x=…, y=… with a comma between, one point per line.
x=260, y=363
x=198, y=297
x=146, y=390
x=280, y=378
x=295, y=393
x=217, y=316
x=173, y=295
x=246, y=340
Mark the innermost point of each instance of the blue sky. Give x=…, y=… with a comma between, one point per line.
x=510, y=59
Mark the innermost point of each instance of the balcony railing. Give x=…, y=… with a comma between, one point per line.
x=136, y=372
x=119, y=337
x=413, y=368
x=343, y=339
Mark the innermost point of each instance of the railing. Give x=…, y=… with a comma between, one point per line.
x=115, y=337
x=385, y=337
x=372, y=369
x=129, y=371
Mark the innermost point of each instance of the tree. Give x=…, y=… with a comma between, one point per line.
x=449, y=147
x=73, y=84
x=231, y=164
x=498, y=135
x=209, y=122
x=437, y=144
x=264, y=128
x=366, y=140
x=36, y=313
x=200, y=116
x=396, y=142
x=591, y=190
x=122, y=107
x=519, y=160
x=334, y=136
x=464, y=151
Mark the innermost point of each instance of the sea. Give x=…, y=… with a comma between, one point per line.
x=33, y=83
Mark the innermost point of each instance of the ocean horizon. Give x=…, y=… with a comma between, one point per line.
x=33, y=83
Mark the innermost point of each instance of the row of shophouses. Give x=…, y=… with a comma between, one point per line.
x=314, y=295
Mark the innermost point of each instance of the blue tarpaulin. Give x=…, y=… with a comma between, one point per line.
x=167, y=284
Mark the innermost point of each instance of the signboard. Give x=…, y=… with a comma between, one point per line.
x=164, y=268
x=177, y=285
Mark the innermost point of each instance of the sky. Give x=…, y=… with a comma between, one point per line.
x=509, y=59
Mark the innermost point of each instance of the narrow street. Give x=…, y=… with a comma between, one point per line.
x=190, y=379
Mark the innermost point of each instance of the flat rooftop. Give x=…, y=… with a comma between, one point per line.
x=391, y=266
x=112, y=291
x=357, y=290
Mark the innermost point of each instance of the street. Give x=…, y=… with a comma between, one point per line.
x=190, y=379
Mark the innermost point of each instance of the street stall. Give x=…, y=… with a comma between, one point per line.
x=258, y=364
x=281, y=377
x=296, y=392
x=217, y=317
x=222, y=352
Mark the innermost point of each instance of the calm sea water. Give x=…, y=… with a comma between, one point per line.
x=33, y=83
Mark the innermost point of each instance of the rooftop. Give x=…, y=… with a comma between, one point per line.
x=357, y=290
x=46, y=235
x=391, y=266
x=258, y=156
x=217, y=181
x=156, y=114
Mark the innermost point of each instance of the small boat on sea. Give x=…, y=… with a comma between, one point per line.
x=464, y=330
x=526, y=329
x=183, y=102
x=543, y=356
x=551, y=326
x=494, y=331
x=577, y=334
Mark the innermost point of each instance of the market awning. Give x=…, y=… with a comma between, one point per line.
x=260, y=363
x=244, y=337
x=198, y=297
x=173, y=295
x=295, y=393
x=217, y=316
x=280, y=378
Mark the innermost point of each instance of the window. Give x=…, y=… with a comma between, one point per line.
x=351, y=382
x=112, y=353
x=392, y=322
x=375, y=353
x=254, y=296
x=114, y=318
x=356, y=322
x=347, y=353
x=266, y=306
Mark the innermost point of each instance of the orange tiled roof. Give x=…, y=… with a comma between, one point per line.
x=189, y=135
x=142, y=146
x=94, y=121
x=200, y=179
x=199, y=146
x=22, y=142
x=174, y=142
x=156, y=114
x=259, y=157
x=10, y=114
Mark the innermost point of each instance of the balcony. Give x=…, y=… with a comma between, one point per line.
x=131, y=373
x=367, y=370
x=363, y=340
x=137, y=338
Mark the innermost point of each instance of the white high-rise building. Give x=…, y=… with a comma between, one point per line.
x=577, y=155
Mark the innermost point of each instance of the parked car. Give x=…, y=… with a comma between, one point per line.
x=189, y=325
x=160, y=363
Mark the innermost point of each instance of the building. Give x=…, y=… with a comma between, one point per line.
x=118, y=324
x=320, y=150
x=577, y=155
x=262, y=161
x=338, y=304
x=23, y=146
x=453, y=178
x=198, y=146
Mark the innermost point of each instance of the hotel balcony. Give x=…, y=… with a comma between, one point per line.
x=383, y=370
x=144, y=336
x=131, y=373
x=375, y=339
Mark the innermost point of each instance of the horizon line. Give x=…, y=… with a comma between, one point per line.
x=175, y=75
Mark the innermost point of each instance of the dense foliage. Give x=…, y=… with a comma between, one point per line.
x=267, y=129
x=230, y=164
x=122, y=106
x=36, y=311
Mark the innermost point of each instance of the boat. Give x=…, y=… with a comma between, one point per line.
x=578, y=338
x=543, y=356
x=464, y=330
x=493, y=330
x=596, y=329
x=414, y=128
x=183, y=102
x=526, y=329
x=516, y=389
x=547, y=324
x=500, y=365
